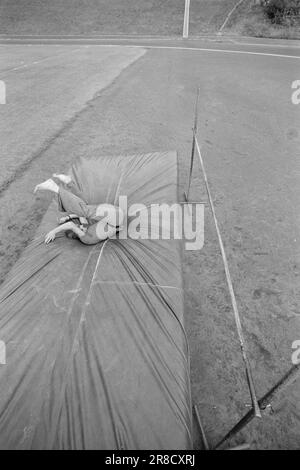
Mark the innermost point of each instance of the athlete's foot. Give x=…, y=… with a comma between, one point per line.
x=63, y=178
x=48, y=185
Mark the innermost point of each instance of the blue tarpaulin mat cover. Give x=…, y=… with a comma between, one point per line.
x=96, y=353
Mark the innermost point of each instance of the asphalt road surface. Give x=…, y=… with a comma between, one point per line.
x=67, y=98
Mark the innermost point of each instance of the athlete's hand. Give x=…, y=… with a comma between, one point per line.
x=50, y=237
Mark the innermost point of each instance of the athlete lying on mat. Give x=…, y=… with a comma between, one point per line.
x=90, y=223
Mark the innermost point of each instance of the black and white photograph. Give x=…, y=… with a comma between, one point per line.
x=150, y=228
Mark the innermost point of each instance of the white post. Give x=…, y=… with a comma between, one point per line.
x=186, y=20
x=2, y=92
x=2, y=353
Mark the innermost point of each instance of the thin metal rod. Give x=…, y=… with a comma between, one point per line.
x=232, y=294
x=195, y=128
x=202, y=432
x=263, y=402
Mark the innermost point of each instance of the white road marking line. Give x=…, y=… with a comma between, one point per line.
x=186, y=19
x=261, y=44
x=145, y=46
x=226, y=51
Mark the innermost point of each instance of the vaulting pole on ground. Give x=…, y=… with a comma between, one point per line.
x=186, y=20
x=264, y=402
x=201, y=428
x=292, y=374
x=231, y=291
x=195, y=128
